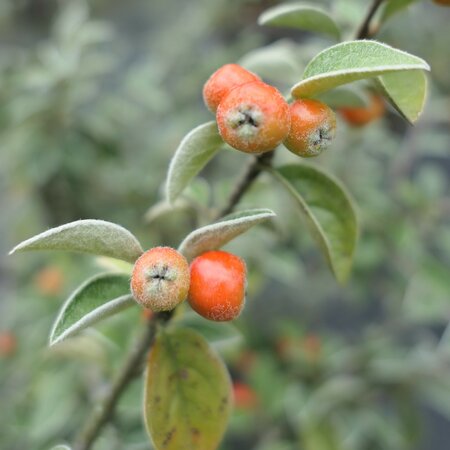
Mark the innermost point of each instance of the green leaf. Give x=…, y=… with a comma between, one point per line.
x=392, y=7
x=301, y=16
x=328, y=211
x=276, y=62
x=61, y=447
x=218, y=334
x=350, y=61
x=216, y=235
x=406, y=92
x=98, y=298
x=187, y=393
x=344, y=96
x=87, y=236
x=193, y=153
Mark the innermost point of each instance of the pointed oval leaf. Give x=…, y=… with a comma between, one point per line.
x=406, y=92
x=301, y=16
x=216, y=235
x=328, y=210
x=187, y=393
x=351, y=61
x=98, y=298
x=87, y=236
x=193, y=153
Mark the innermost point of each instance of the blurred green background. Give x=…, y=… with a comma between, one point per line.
x=94, y=99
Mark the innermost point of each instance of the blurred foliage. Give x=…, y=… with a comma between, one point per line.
x=95, y=97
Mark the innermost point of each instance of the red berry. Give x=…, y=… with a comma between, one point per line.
x=360, y=116
x=253, y=118
x=222, y=81
x=160, y=279
x=218, y=282
x=313, y=127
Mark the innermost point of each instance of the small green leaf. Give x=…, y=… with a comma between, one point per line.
x=276, y=62
x=187, y=393
x=350, y=61
x=392, y=7
x=61, y=447
x=218, y=334
x=328, y=211
x=218, y=234
x=87, y=236
x=344, y=97
x=193, y=153
x=406, y=92
x=98, y=298
x=301, y=16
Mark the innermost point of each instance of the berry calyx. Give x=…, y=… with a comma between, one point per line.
x=360, y=116
x=222, y=81
x=253, y=118
x=218, y=283
x=160, y=279
x=313, y=127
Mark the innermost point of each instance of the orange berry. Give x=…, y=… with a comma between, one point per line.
x=49, y=281
x=222, y=81
x=253, y=118
x=160, y=279
x=244, y=396
x=360, y=116
x=313, y=127
x=8, y=344
x=218, y=282
x=442, y=2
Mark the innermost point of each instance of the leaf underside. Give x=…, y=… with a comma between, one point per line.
x=328, y=211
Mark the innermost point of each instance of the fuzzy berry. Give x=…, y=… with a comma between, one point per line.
x=218, y=283
x=313, y=127
x=360, y=116
x=222, y=81
x=160, y=279
x=253, y=118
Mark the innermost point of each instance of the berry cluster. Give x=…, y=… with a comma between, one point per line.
x=253, y=117
x=214, y=283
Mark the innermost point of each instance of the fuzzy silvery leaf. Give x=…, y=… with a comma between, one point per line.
x=187, y=398
x=193, y=153
x=301, y=16
x=406, y=92
x=216, y=235
x=98, y=298
x=351, y=61
x=328, y=211
x=87, y=236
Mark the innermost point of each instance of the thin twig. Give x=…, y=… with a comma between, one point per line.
x=131, y=367
x=364, y=31
x=103, y=413
x=250, y=174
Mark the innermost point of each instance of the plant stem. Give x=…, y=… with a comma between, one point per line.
x=250, y=174
x=129, y=370
x=364, y=31
x=133, y=363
